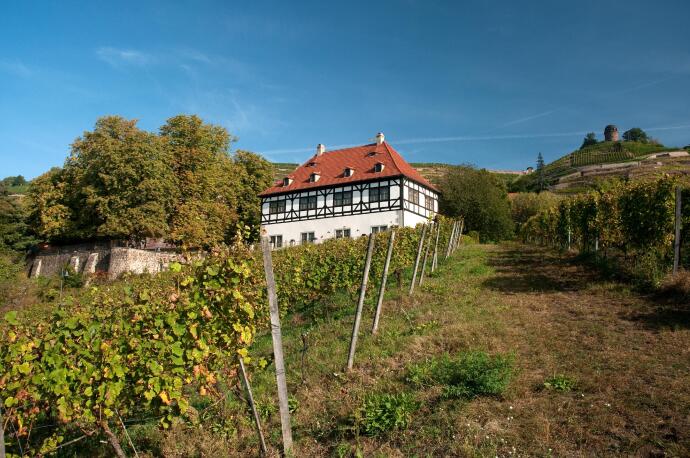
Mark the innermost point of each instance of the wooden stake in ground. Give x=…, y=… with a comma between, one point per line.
x=450, y=239
x=434, y=260
x=416, y=261
x=382, y=288
x=676, y=241
x=277, y=347
x=360, y=303
x=2, y=435
x=426, y=254
x=250, y=397
x=458, y=236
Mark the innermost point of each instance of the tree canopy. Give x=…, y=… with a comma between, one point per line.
x=589, y=140
x=121, y=182
x=480, y=199
x=636, y=135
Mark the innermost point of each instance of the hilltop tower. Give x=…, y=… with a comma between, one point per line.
x=611, y=133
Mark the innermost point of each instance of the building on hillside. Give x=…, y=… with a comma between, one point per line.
x=346, y=193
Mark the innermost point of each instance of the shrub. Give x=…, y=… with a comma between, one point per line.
x=466, y=376
x=381, y=413
x=559, y=383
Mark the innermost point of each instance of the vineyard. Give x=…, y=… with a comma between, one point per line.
x=149, y=348
x=635, y=222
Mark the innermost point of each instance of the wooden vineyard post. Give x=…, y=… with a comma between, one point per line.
x=2, y=434
x=450, y=239
x=676, y=241
x=382, y=288
x=434, y=260
x=250, y=397
x=360, y=304
x=458, y=235
x=426, y=254
x=416, y=261
x=277, y=347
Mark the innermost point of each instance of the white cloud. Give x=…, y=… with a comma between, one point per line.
x=118, y=57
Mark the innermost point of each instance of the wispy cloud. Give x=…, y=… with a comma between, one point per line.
x=528, y=118
x=117, y=58
x=15, y=68
x=472, y=138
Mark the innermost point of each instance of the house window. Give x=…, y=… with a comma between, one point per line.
x=314, y=177
x=342, y=233
x=429, y=203
x=348, y=172
x=377, y=229
x=276, y=241
x=307, y=203
x=276, y=206
x=308, y=237
x=414, y=196
x=342, y=198
x=287, y=181
x=378, y=167
x=379, y=194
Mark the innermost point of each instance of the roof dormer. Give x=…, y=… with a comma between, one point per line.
x=314, y=177
x=379, y=167
x=348, y=172
x=287, y=181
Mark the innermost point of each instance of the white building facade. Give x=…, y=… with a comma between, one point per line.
x=346, y=193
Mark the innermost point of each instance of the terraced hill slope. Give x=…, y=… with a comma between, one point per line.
x=584, y=169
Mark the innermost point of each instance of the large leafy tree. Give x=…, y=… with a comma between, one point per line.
x=480, y=199
x=14, y=230
x=206, y=181
x=119, y=181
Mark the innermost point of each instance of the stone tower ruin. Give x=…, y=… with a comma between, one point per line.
x=611, y=133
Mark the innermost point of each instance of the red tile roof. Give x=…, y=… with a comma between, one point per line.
x=331, y=167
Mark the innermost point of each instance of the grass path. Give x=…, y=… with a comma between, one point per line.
x=628, y=354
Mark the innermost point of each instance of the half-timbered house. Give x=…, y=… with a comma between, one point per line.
x=346, y=193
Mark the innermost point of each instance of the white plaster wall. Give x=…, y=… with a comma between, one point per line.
x=324, y=228
x=412, y=219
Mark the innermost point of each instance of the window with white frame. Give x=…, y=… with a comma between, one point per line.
x=276, y=241
x=343, y=233
x=307, y=203
x=429, y=203
x=308, y=237
x=342, y=198
x=379, y=194
x=378, y=167
x=377, y=229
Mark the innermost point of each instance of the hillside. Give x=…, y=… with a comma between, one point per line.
x=583, y=169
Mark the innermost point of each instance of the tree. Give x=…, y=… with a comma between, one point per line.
x=120, y=181
x=524, y=205
x=257, y=175
x=480, y=199
x=49, y=215
x=14, y=229
x=541, y=179
x=205, y=175
x=589, y=140
x=635, y=135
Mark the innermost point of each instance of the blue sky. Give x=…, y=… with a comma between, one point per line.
x=488, y=83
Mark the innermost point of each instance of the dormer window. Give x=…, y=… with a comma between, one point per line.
x=378, y=167
x=371, y=154
x=287, y=181
x=348, y=172
x=311, y=164
x=314, y=177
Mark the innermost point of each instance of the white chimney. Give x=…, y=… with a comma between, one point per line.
x=380, y=138
x=320, y=149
